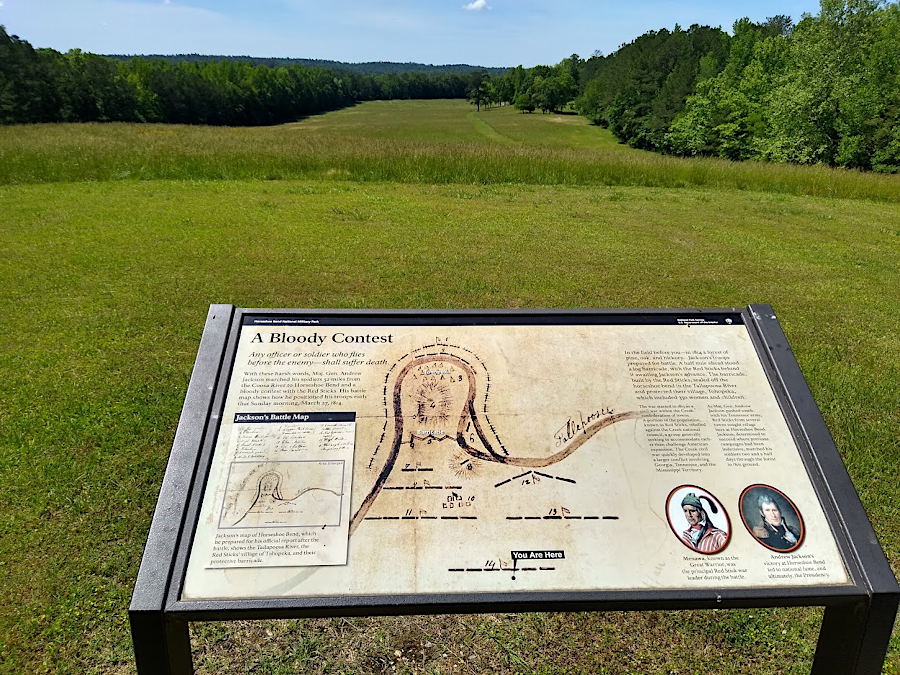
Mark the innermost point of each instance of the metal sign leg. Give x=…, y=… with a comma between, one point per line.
x=162, y=646
x=854, y=638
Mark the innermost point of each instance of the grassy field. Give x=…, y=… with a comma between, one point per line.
x=105, y=281
x=434, y=142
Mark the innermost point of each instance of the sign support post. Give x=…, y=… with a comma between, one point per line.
x=162, y=641
x=854, y=639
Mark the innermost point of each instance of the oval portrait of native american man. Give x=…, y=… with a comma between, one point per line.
x=698, y=519
x=771, y=517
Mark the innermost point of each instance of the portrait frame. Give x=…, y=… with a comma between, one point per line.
x=752, y=519
x=675, y=514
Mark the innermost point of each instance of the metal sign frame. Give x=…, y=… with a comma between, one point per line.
x=858, y=617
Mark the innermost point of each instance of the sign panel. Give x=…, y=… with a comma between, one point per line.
x=388, y=458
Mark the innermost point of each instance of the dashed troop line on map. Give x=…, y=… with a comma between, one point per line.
x=434, y=390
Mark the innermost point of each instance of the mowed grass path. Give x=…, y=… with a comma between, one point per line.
x=105, y=286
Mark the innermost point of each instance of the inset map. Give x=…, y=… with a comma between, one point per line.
x=305, y=493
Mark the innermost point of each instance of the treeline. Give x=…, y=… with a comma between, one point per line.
x=363, y=68
x=548, y=88
x=43, y=85
x=825, y=91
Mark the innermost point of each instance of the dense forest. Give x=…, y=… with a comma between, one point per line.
x=43, y=85
x=826, y=90
x=823, y=91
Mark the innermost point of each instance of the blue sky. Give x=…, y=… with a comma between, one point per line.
x=480, y=32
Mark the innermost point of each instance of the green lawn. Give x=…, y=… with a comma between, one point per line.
x=105, y=286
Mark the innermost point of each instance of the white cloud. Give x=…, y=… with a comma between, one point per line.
x=476, y=6
x=167, y=2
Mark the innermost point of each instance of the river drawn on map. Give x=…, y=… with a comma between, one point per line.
x=305, y=493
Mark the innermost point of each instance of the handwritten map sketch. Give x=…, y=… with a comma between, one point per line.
x=283, y=494
x=492, y=458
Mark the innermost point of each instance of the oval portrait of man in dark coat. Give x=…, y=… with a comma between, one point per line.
x=772, y=518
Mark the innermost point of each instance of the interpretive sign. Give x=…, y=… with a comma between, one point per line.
x=598, y=442
x=473, y=461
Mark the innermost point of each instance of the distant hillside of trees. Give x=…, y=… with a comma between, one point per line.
x=365, y=68
x=43, y=85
